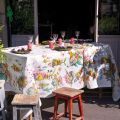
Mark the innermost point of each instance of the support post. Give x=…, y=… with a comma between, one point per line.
x=96, y=20
x=36, y=33
x=4, y=23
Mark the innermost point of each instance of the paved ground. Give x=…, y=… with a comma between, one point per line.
x=98, y=109
x=94, y=108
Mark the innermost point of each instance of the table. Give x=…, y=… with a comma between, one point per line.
x=44, y=70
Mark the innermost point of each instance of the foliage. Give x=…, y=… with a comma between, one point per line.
x=23, y=17
x=2, y=56
x=1, y=27
x=108, y=25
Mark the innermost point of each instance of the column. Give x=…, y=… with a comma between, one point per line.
x=36, y=33
x=4, y=23
x=96, y=20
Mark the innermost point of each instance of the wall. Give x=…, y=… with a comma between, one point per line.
x=18, y=40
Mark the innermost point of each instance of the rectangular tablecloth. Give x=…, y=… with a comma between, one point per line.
x=44, y=70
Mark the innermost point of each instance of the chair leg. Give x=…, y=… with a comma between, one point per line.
x=70, y=109
x=81, y=107
x=55, y=108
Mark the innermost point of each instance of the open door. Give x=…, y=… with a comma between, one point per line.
x=66, y=15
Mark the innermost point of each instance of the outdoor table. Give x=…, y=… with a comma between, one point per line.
x=44, y=70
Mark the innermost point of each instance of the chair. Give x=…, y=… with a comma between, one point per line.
x=2, y=99
x=26, y=102
x=69, y=95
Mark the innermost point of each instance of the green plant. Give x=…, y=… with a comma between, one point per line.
x=108, y=25
x=2, y=55
x=23, y=17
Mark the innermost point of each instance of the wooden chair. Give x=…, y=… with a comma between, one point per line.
x=26, y=102
x=69, y=95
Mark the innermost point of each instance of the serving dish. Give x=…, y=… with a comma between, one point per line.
x=45, y=42
x=20, y=51
x=67, y=48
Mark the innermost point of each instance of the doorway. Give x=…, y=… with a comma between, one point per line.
x=66, y=15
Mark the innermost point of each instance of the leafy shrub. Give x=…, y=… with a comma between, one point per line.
x=108, y=25
x=2, y=56
x=23, y=17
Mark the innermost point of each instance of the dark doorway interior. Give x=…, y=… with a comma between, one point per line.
x=66, y=15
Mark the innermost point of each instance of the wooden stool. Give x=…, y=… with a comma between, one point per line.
x=68, y=94
x=25, y=102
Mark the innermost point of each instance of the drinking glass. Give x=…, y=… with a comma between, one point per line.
x=54, y=37
x=77, y=33
x=63, y=34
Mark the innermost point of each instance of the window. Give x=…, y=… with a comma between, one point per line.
x=66, y=16
x=23, y=16
x=109, y=17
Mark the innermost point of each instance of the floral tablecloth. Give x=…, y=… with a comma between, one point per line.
x=44, y=70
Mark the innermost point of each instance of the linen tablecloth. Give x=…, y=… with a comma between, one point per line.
x=44, y=70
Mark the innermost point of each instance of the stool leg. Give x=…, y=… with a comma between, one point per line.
x=39, y=112
x=66, y=105
x=81, y=107
x=14, y=113
x=55, y=108
x=18, y=114
x=30, y=117
x=35, y=111
x=70, y=109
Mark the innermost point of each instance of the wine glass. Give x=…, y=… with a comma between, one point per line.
x=54, y=37
x=77, y=33
x=63, y=34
